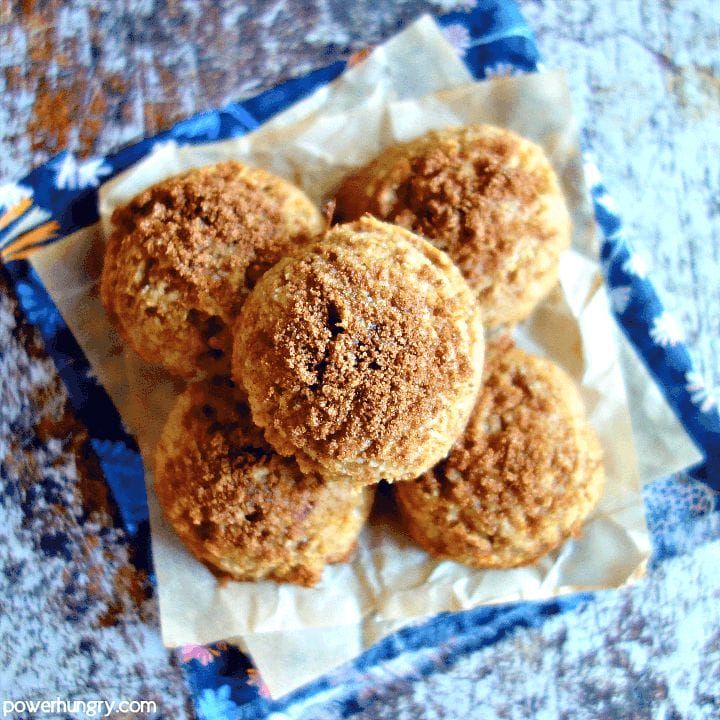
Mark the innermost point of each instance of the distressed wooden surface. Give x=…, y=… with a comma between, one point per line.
x=645, y=77
x=91, y=75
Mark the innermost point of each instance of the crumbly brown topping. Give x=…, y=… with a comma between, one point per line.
x=459, y=198
x=479, y=193
x=516, y=436
x=525, y=468
x=365, y=368
x=185, y=253
x=365, y=337
x=238, y=505
x=242, y=492
x=206, y=225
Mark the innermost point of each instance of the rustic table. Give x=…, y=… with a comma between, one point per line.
x=91, y=76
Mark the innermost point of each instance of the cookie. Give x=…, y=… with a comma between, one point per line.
x=523, y=477
x=184, y=254
x=486, y=196
x=240, y=507
x=361, y=354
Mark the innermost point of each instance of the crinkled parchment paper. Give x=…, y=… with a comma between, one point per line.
x=413, y=83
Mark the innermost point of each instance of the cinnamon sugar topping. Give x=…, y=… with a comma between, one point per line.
x=352, y=350
x=521, y=478
x=484, y=195
x=185, y=252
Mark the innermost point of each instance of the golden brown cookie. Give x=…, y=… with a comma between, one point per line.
x=361, y=354
x=486, y=196
x=522, y=478
x=240, y=507
x=184, y=254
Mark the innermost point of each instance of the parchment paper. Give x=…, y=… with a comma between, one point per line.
x=413, y=83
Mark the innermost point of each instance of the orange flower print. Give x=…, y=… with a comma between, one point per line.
x=255, y=680
x=23, y=226
x=357, y=57
x=14, y=212
x=204, y=655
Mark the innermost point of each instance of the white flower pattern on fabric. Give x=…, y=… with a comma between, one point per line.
x=458, y=36
x=502, y=69
x=620, y=298
x=12, y=194
x=702, y=393
x=592, y=174
x=216, y=704
x=74, y=175
x=681, y=514
x=607, y=202
x=666, y=330
x=636, y=265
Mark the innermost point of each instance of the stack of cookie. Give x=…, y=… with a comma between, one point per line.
x=324, y=360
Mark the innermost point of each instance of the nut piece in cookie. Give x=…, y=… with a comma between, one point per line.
x=361, y=354
x=522, y=478
x=240, y=507
x=184, y=254
x=484, y=195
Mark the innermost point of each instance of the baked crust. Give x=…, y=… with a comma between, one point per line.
x=239, y=506
x=184, y=254
x=361, y=354
x=486, y=196
x=522, y=478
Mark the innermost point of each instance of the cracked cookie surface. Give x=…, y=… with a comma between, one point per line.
x=486, y=196
x=184, y=254
x=521, y=479
x=361, y=354
x=239, y=506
